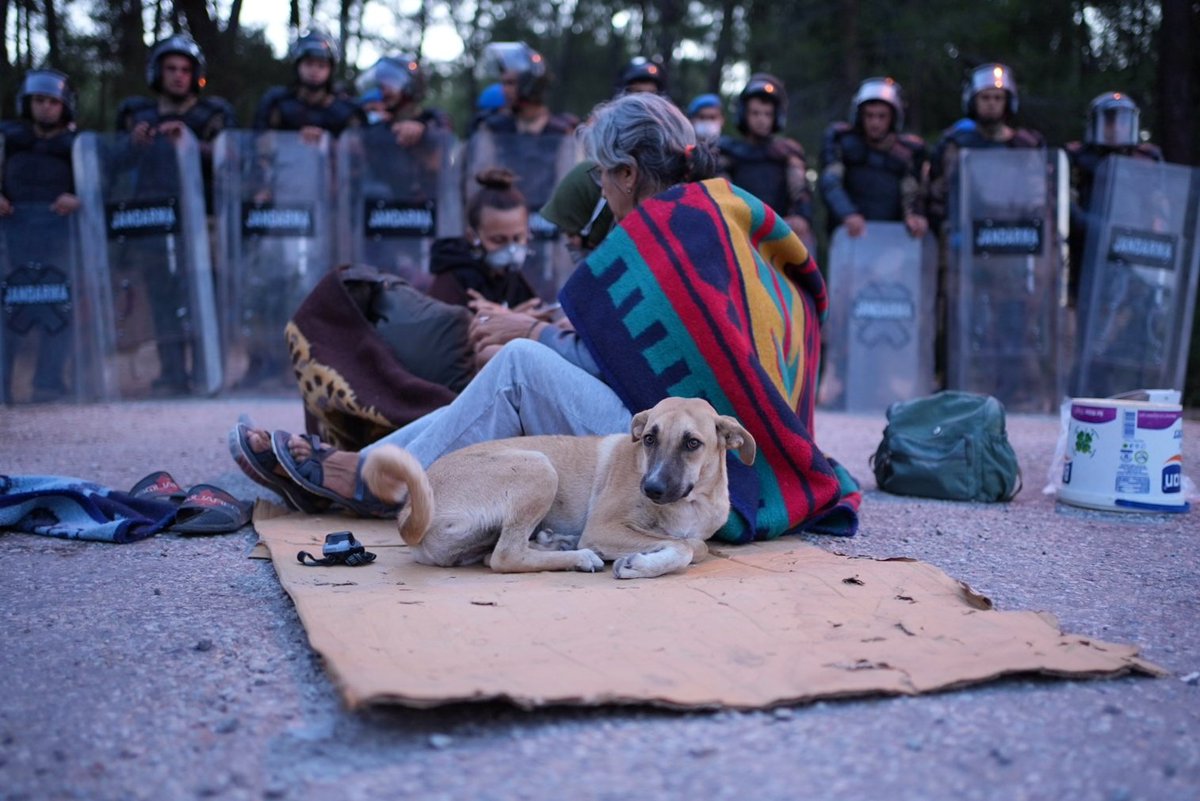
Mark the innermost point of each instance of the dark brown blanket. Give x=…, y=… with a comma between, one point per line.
x=354, y=386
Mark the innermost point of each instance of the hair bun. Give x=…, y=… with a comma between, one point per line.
x=496, y=178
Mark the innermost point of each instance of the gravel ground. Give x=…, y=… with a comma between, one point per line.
x=176, y=668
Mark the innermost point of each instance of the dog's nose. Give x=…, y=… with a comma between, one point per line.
x=653, y=489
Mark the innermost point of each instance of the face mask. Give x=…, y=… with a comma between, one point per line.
x=707, y=129
x=507, y=259
x=375, y=116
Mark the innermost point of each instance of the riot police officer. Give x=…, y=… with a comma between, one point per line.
x=310, y=105
x=37, y=169
x=400, y=82
x=990, y=101
x=1113, y=129
x=176, y=73
x=870, y=170
x=642, y=74
x=769, y=166
x=522, y=72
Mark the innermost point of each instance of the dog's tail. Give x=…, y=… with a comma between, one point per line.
x=392, y=474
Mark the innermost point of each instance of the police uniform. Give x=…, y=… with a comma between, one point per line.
x=761, y=168
x=38, y=170
x=281, y=109
x=880, y=183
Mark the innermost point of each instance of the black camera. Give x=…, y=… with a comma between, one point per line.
x=340, y=548
x=341, y=543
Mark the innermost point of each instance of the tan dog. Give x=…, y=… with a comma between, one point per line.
x=647, y=501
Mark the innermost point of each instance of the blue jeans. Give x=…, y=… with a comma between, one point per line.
x=526, y=389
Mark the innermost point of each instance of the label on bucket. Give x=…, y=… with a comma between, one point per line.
x=1093, y=414
x=1157, y=420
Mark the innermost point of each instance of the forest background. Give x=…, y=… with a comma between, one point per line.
x=1063, y=53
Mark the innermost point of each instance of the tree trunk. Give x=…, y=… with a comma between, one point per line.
x=294, y=17
x=851, y=60
x=233, y=25
x=1176, y=82
x=203, y=27
x=53, y=34
x=724, y=46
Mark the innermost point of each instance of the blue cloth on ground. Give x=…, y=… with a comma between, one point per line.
x=74, y=509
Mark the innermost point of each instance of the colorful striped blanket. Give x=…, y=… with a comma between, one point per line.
x=703, y=291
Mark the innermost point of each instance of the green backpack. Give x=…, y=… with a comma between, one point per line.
x=951, y=445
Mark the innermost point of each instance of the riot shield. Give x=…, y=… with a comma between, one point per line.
x=879, y=333
x=540, y=162
x=145, y=239
x=394, y=201
x=1006, y=280
x=1138, y=287
x=48, y=306
x=275, y=207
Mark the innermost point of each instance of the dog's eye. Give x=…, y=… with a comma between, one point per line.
x=649, y=440
x=692, y=444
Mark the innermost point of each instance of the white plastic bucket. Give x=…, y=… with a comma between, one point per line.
x=1125, y=455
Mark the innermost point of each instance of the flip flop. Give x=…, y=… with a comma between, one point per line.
x=260, y=467
x=159, y=486
x=210, y=510
x=310, y=473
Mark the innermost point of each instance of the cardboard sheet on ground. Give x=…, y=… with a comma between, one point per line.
x=752, y=626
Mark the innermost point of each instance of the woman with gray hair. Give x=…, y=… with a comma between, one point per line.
x=701, y=290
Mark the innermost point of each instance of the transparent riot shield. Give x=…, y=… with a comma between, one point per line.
x=1138, y=288
x=540, y=162
x=393, y=201
x=48, y=306
x=275, y=208
x=144, y=237
x=879, y=333
x=1006, y=279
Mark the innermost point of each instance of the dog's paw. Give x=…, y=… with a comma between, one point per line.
x=547, y=540
x=648, y=564
x=587, y=561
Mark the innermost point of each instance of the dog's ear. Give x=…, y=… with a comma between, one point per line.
x=638, y=426
x=736, y=438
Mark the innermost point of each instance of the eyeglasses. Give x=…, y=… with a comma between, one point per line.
x=596, y=173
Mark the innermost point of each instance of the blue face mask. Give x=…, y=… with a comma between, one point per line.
x=507, y=259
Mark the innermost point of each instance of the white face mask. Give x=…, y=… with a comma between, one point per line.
x=375, y=116
x=707, y=129
x=508, y=258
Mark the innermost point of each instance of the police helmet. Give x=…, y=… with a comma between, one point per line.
x=400, y=73
x=1113, y=121
x=642, y=69
x=313, y=43
x=181, y=45
x=518, y=57
x=767, y=87
x=50, y=83
x=883, y=90
x=990, y=76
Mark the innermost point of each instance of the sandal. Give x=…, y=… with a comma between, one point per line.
x=310, y=473
x=210, y=510
x=260, y=467
x=159, y=486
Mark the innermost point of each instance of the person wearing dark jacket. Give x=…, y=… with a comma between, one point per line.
x=486, y=263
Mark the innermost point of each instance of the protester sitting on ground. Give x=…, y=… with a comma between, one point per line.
x=486, y=263
x=701, y=291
